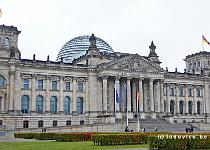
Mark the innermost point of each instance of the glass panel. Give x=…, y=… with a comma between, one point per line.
x=40, y=84
x=190, y=107
x=80, y=86
x=68, y=86
x=80, y=105
x=25, y=104
x=53, y=105
x=2, y=82
x=172, y=107
x=66, y=105
x=40, y=124
x=181, y=107
x=26, y=83
x=39, y=104
x=199, y=107
x=54, y=85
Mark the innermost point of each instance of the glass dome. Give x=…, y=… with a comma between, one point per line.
x=78, y=47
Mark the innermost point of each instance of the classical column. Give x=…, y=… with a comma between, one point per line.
x=194, y=109
x=134, y=95
x=158, y=90
x=87, y=96
x=117, y=91
x=141, y=101
x=2, y=103
x=33, y=94
x=177, y=99
x=74, y=96
x=104, y=93
x=11, y=90
x=161, y=97
x=186, y=100
x=129, y=94
x=167, y=97
x=61, y=85
x=151, y=87
x=47, y=99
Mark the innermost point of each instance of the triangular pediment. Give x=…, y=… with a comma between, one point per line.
x=133, y=62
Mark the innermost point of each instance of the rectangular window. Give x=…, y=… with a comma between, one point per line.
x=199, y=92
x=55, y=123
x=68, y=86
x=172, y=92
x=40, y=124
x=181, y=91
x=25, y=83
x=40, y=85
x=190, y=92
x=80, y=86
x=54, y=85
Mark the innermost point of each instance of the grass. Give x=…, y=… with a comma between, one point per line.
x=52, y=145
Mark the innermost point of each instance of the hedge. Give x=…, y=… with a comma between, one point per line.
x=179, y=144
x=119, y=139
x=62, y=137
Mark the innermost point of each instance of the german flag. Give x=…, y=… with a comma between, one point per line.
x=204, y=40
x=0, y=12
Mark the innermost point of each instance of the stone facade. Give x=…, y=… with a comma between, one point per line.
x=97, y=88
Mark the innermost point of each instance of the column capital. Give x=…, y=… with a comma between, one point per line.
x=151, y=79
x=104, y=76
x=128, y=78
x=117, y=77
x=12, y=72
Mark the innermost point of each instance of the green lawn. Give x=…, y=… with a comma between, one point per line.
x=51, y=145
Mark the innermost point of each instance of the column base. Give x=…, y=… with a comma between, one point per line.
x=61, y=112
x=47, y=112
x=153, y=115
x=142, y=115
x=130, y=115
x=74, y=113
x=33, y=112
x=118, y=115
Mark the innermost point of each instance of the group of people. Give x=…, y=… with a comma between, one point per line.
x=189, y=129
x=143, y=129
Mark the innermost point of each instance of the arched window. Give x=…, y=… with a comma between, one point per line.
x=66, y=105
x=80, y=105
x=7, y=42
x=2, y=82
x=199, y=107
x=190, y=107
x=181, y=105
x=39, y=104
x=53, y=105
x=25, y=104
x=172, y=107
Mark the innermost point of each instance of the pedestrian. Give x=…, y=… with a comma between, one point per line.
x=186, y=130
x=155, y=129
x=143, y=130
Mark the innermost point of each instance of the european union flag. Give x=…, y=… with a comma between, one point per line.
x=117, y=97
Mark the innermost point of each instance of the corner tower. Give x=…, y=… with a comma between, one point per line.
x=9, y=42
x=153, y=57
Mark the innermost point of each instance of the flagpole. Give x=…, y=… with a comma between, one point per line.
x=137, y=105
x=202, y=44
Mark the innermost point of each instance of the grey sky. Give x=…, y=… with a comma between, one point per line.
x=175, y=26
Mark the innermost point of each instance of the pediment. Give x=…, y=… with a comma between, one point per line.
x=133, y=62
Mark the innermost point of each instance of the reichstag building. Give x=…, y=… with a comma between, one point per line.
x=89, y=82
